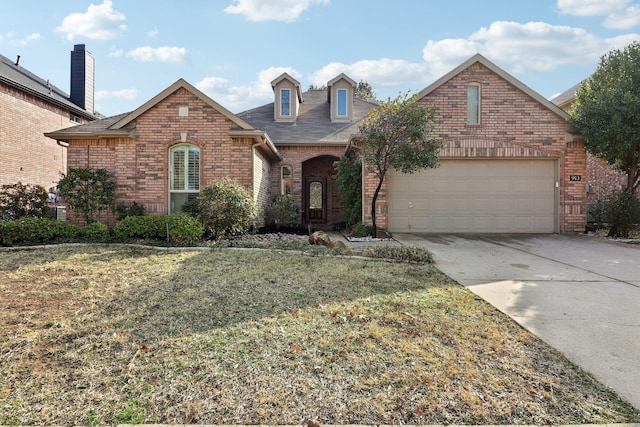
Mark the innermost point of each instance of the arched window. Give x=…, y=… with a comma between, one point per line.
x=184, y=176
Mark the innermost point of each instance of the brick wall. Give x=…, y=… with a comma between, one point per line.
x=140, y=165
x=512, y=125
x=26, y=155
x=295, y=156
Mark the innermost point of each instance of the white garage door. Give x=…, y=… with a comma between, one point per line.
x=475, y=196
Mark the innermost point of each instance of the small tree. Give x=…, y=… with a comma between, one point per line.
x=87, y=191
x=349, y=180
x=397, y=134
x=365, y=91
x=607, y=111
x=23, y=200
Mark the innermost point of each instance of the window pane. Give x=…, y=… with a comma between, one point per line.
x=194, y=169
x=342, y=102
x=286, y=180
x=178, y=169
x=285, y=102
x=315, y=195
x=473, y=104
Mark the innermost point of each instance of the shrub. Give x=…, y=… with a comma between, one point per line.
x=400, y=253
x=623, y=213
x=31, y=231
x=226, y=209
x=360, y=230
x=123, y=210
x=23, y=200
x=284, y=211
x=178, y=228
x=87, y=191
x=349, y=180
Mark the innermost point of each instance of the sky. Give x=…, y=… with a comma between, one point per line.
x=232, y=49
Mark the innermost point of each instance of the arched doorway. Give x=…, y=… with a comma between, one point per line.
x=321, y=201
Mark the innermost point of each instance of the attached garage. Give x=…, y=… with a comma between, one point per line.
x=476, y=196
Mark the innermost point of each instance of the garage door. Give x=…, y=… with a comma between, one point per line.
x=475, y=196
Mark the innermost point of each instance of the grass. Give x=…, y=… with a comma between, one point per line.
x=93, y=335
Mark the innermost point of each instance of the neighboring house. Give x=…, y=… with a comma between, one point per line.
x=602, y=179
x=31, y=106
x=510, y=163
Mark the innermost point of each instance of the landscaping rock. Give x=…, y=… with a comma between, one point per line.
x=319, y=238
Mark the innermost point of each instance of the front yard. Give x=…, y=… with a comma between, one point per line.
x=115, y=334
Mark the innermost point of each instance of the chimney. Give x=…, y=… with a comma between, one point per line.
x=82, y=78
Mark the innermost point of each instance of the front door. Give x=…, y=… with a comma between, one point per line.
x=315, y=200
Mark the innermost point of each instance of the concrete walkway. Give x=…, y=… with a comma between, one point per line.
x=579, y=294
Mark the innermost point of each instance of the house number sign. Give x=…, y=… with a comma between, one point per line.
x=575, y=177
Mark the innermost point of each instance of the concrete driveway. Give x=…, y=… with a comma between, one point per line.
x=579, y=294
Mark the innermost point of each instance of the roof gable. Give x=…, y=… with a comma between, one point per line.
x=294, y=82
x=478, y=58
x=181, y=83
x=342, y=76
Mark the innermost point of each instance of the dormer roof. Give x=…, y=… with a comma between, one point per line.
x=294, y=82
x=336, y=79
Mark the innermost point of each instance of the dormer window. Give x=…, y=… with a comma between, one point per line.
x=342, y=103
x=288, y=98
x=341, y=94
x=285, y=102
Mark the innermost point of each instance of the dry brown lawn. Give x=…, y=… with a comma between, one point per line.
x=114, y=334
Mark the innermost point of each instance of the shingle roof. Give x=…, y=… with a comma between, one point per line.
x=566, y=96
x=313, y=123
x=96, y=127
x=21, y=78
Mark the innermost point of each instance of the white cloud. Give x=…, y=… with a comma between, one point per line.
x=383, y=72
x=166, y=54
x=271, y=10
x=624, y=19
x=534, y=46
x=10, y=38
x=239, y=98
x=619, y=15
x=120, y=94
x=100, y=22
x=153, y=33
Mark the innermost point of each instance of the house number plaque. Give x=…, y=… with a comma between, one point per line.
x=575, y=177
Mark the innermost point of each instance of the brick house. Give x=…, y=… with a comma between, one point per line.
x=507, y=165
x=510, y=163
x=31, y=106
x=602, y=179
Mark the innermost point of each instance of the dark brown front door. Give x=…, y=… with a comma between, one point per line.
x=315, y=200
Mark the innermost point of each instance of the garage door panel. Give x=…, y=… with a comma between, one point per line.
x=481, y=196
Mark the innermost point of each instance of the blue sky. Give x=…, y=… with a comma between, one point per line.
x=232, y=49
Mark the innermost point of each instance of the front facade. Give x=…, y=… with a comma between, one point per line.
x=29, y=107
x=510, y=162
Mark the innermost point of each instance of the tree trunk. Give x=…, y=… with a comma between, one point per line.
x=374, y=226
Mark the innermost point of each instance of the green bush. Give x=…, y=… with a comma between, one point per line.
x=284, y=211
x=87, y=191
x=20, y=200
x=349, y=180
x=360, y=230
x=178, y=228
x=226, y=209
x=623, y=213
x=31, y=231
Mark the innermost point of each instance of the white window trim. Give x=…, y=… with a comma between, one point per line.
x=182, y=147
